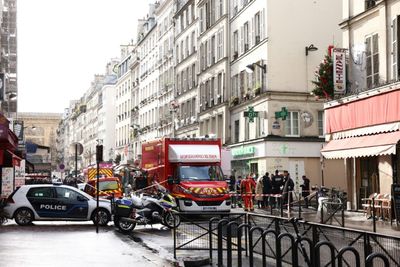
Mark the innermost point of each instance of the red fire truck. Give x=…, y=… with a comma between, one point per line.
x=190, y=169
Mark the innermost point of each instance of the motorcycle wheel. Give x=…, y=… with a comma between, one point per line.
x=124, y=227
x=171, y=220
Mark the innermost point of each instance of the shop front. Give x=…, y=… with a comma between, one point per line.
x=298, y=156
x=364, y=132
x=9, y=157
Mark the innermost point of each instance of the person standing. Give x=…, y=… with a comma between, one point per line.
x=267, y=190
x=305, y=189
x=247, y=187
x=277, y=182
x=259, y=192
x=287, y=188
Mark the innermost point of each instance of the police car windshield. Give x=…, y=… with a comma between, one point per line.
x=200, y=173
x=108, y=185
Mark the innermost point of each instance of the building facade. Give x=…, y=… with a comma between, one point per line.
x=213, y=69
x=185, y=108
x=275, y=123
x=8, y=59
x=363, y=127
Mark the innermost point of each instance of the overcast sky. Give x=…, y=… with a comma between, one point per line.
x=62, y=44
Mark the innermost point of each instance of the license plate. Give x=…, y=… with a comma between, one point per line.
x=209, y=208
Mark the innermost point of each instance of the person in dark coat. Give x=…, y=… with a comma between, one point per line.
x=267, y=189
x=305, y=189
x=287, y=188
x=276, y=182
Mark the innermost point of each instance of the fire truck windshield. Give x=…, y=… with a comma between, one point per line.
x=200, y=173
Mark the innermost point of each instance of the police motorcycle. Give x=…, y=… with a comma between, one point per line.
x=142, y=210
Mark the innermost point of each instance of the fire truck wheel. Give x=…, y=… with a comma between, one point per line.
x=171, y=220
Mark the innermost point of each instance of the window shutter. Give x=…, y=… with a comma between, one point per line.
x=252, y=34
x=222, y=43
x=398, y=47
x=262, y=24
x=394, y=49
x=241, y=39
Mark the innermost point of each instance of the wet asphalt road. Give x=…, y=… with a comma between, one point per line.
x=77, y=244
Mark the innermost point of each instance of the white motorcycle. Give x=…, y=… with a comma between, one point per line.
x=143, y=210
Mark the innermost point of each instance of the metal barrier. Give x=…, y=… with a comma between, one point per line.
x=201, y=231
x=254, y=240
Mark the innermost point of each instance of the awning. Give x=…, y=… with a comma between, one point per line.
x=194, y=153
x=362, y=146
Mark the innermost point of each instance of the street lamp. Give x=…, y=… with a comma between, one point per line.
x=11, y=96
x=311, y=48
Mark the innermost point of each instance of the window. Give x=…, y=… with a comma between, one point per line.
x=40, y=192
x=257, y=28
x=220, y=47
x=372, y=59
x=66, y=193
x=235, y=45
x=193, y=42
x=293, y=124
x=320, y=123
x=237, y=131
x=246, y=37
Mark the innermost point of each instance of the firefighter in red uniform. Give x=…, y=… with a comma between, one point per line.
x=247, y=187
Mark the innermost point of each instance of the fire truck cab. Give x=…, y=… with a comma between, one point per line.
x=190, y=169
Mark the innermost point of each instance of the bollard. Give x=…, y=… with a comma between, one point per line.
x=221, y=223
x=373, y=215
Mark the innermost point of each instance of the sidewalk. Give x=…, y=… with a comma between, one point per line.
x=353, y=220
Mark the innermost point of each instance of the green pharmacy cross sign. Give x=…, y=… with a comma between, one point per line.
x=251, y=114
x=282, y=114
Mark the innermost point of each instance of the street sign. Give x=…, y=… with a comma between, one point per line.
x=251, y=114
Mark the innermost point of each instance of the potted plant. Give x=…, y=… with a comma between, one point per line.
x=257, y=89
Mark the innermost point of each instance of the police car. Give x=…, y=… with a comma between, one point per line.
x=49, y=202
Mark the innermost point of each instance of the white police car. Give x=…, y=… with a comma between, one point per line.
x=50, y=202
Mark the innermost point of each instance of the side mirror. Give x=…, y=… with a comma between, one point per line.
x=170, y=180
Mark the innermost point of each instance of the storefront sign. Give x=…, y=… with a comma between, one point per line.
x=339, y=71
x=243, y=151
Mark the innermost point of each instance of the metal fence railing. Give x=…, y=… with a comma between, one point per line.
x=257, y=239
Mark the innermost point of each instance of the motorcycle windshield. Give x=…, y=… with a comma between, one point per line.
x=200, y=173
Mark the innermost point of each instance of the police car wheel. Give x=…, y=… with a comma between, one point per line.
x=104, y=217
x=23, y=216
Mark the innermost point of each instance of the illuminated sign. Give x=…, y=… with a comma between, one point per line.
x=243, y=151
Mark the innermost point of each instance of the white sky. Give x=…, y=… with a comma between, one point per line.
x=63, y=43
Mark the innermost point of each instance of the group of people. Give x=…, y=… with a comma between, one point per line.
x=268, y=190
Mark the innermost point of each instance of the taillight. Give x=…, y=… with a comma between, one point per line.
x=10, y=200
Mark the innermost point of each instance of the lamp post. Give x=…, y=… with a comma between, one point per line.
x=310, y=48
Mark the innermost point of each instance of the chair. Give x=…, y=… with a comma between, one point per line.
x=387, y=207
x=367, y=203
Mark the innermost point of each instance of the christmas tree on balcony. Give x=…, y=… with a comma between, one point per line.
x=323, y=84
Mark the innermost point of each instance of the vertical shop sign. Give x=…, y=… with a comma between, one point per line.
x=339, y=71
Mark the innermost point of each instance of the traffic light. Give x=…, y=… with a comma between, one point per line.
x=99, y=153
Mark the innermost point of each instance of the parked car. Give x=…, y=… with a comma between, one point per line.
x=49, y=202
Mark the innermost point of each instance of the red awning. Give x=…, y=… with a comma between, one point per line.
x=362, y=146
x=16, y=160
